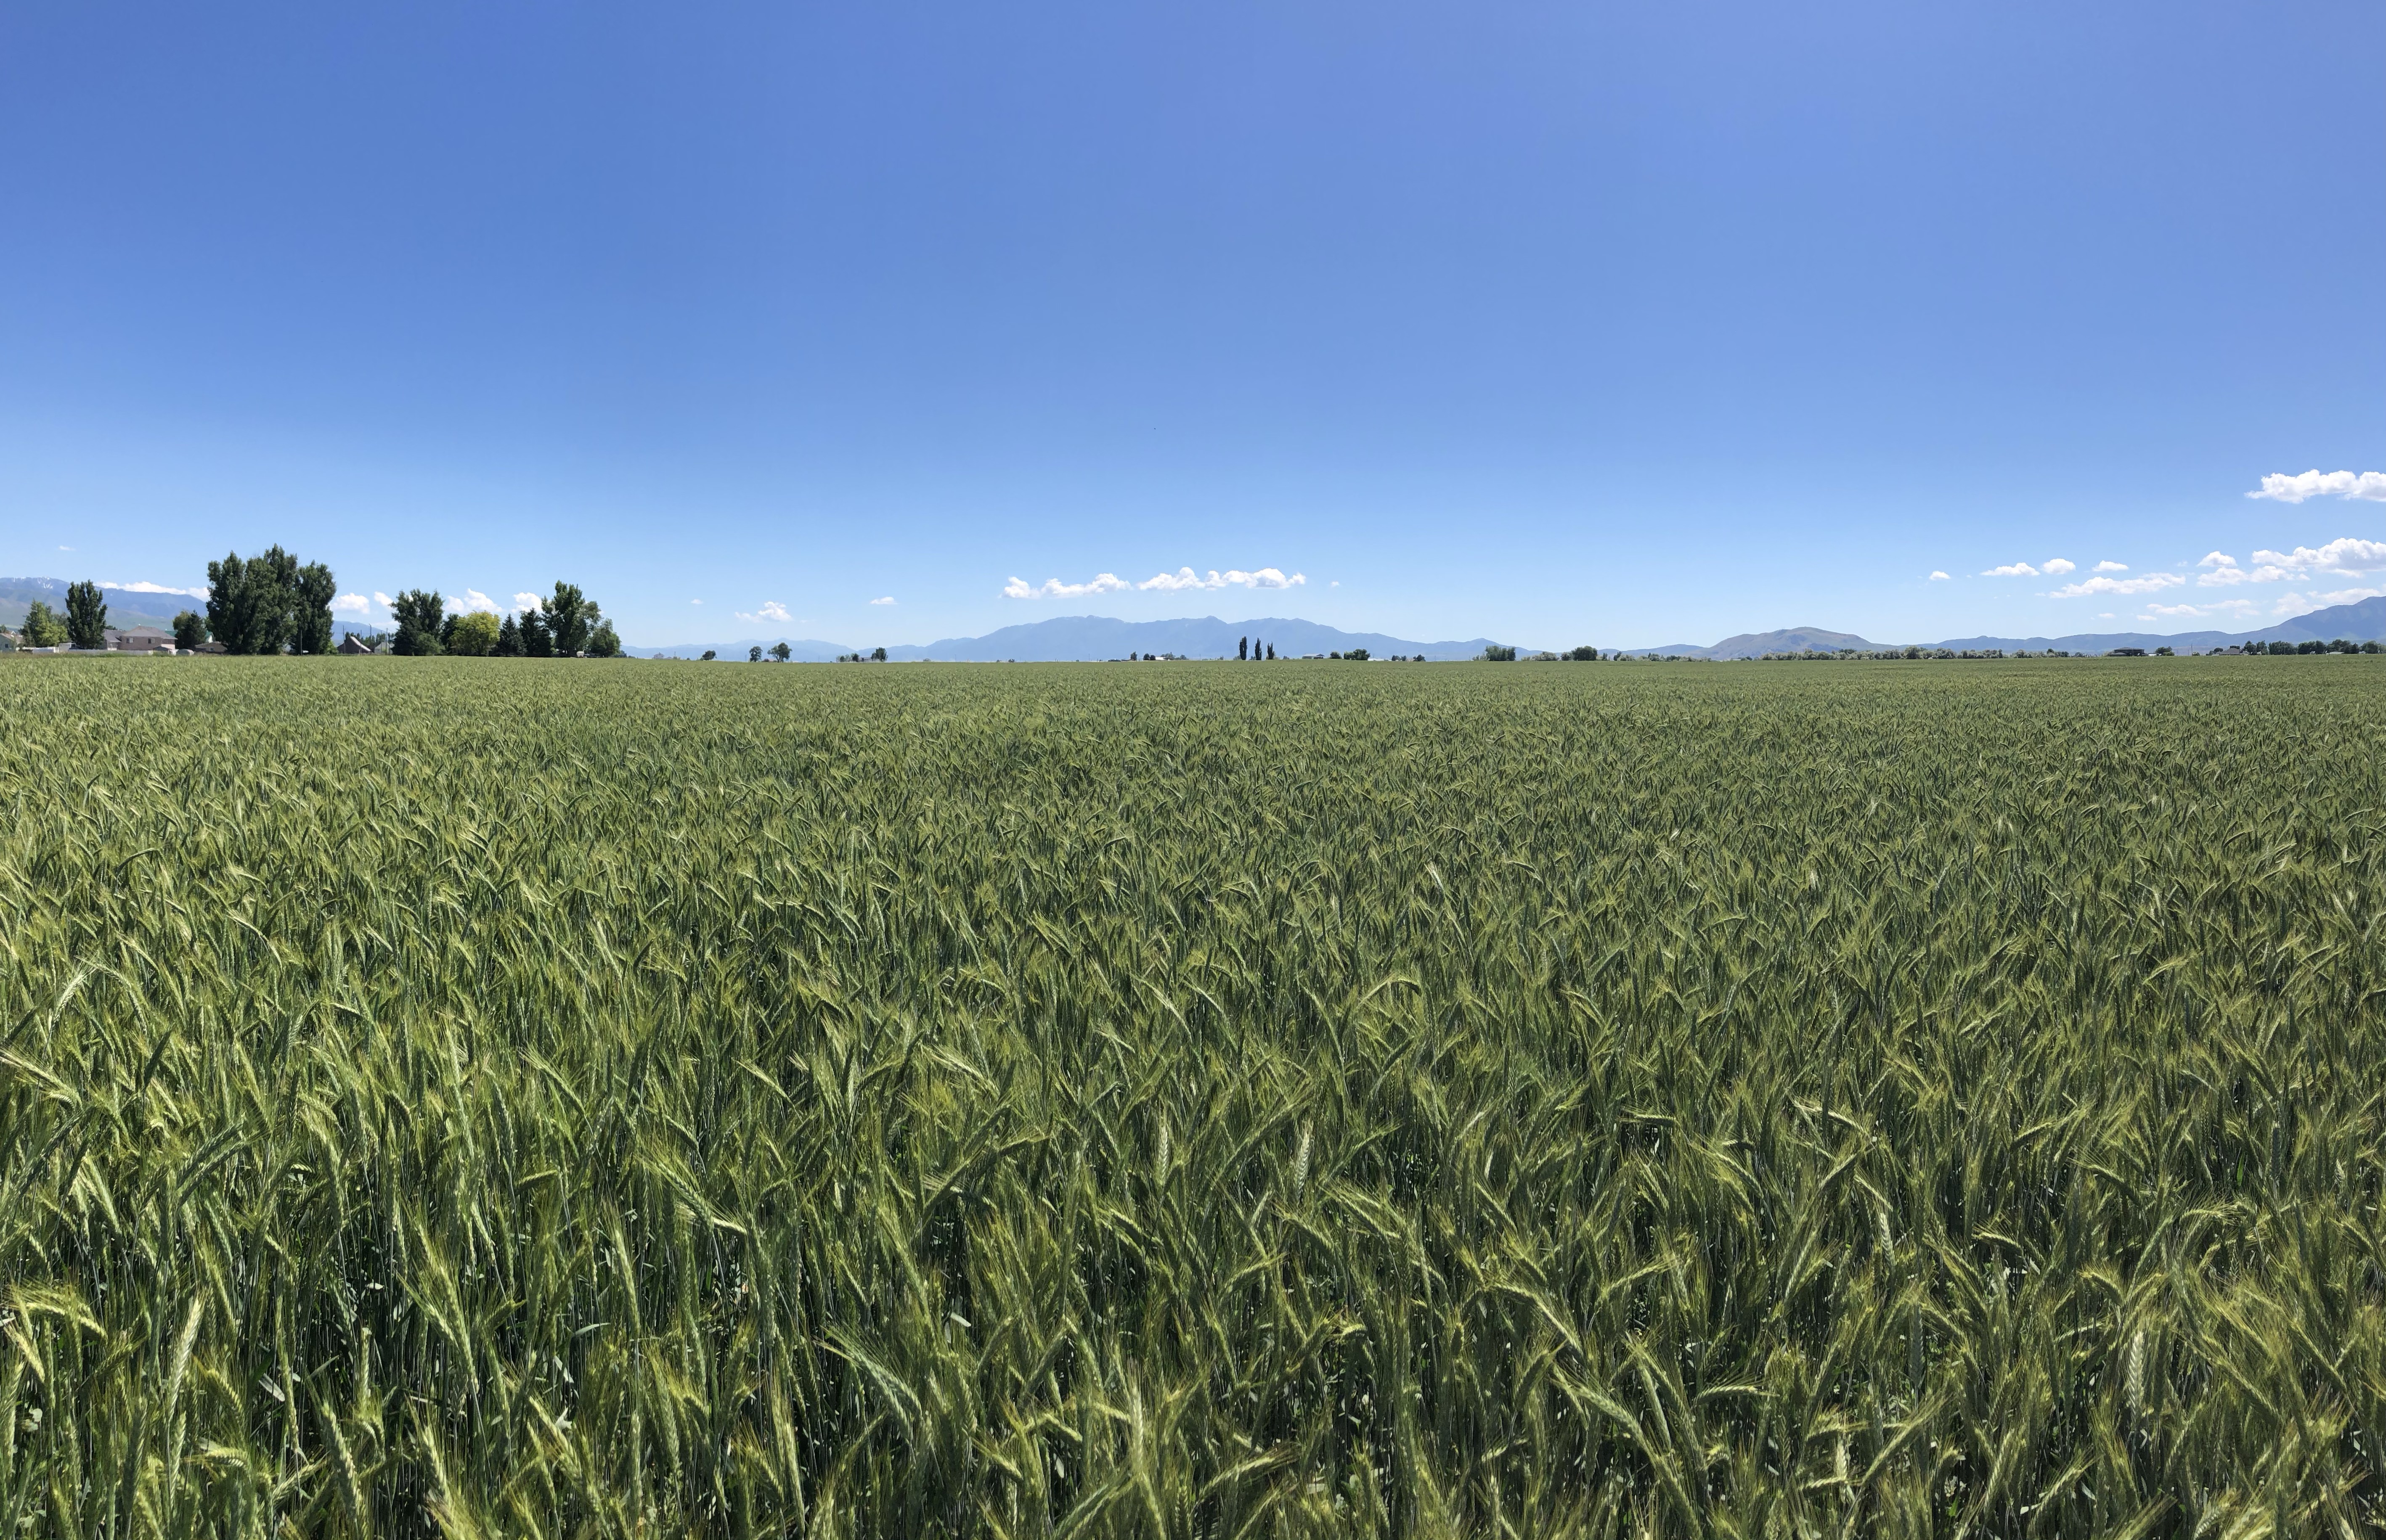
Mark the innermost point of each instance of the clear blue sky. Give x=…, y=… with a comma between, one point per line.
x=1561, y=323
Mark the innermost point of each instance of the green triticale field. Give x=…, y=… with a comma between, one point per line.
x=503, y=1098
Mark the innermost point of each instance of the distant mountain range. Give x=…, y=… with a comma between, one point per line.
x=2364, y=621
x=1087, y=638
x=1091, y=638
x=127, y=607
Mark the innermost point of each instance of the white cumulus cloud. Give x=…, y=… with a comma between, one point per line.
x=2343, y=557
x=383, y=600
x=2012, y=569
x=2369, y=484
x=771, y=610
x=1940, y=577
x=526, y=602
x=353, y=604
x=2112, y=567
x=2151, y=583
x=2346, y=555
x=1053, y=588
x=2056, y=568
x=473, y=599
x=888, y=599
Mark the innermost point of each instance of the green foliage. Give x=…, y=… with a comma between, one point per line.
x=470, y=635
x=422, y=616
x=312, y=592
x=87, y=616
x=569, y=616
x=43, y=626
x=264, y=603
x=190, y=630
x=1497, y=654
x=933, y=1101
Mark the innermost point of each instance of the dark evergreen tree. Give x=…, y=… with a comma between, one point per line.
x=273, y=585
x=86, y=617
x=228, y=602
x=190, y=630
x=536, y=640
x=509, y=640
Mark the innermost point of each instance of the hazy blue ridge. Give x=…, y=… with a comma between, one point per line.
x=125, y=609
x=1089, y=638
x=2362, y=621
x=1092, y=638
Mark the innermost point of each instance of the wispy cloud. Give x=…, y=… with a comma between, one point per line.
x=888, y=599
x=1940, y=577
x=2151, y=583
x=2112, y=567
x=2369, y=484
x=1053, y=588
x=2303, y=604
x=155, y=588
x=2012, y=569
x=2193, y=611
x=1183, y=577
x=771, y=610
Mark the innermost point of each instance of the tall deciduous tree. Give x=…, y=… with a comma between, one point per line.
x=87, y=616
x=473, y=635
x=420, y=613
x=310, y=609
x=569, y=616
x=262, y=603
x=190, y=630
x=42, y=627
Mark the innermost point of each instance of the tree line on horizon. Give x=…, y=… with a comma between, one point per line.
x=565, y=623
x=272, y=602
